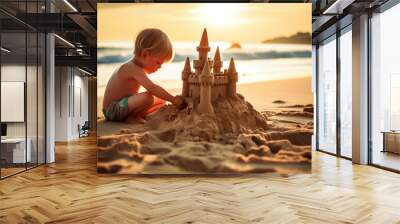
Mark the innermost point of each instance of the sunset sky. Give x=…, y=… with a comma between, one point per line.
x=234, y=22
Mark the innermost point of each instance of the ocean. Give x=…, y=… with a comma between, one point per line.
x=254, y=62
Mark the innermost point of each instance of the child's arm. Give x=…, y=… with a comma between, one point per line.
x=155, y=89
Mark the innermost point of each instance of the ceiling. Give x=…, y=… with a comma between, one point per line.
x=331, y=15
x=76, y=22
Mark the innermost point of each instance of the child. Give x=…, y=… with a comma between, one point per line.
x=122, y=102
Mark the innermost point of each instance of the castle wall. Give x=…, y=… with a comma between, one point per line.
x=205, y=105
x=220, y=79
x=193, y=79
x=194, y=91
x=221, y=86
x=224, y=90
x=219, y=90
x=214, y=93
x=185, y=89
x=199, y=64
x=232, y=90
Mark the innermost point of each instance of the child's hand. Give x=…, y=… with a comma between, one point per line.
x=179, y=102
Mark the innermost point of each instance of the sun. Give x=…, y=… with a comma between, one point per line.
x=219, y=14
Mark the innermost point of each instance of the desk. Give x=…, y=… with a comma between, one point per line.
x=15, y=148
x=391, y=141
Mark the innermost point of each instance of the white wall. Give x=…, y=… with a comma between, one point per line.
x=81, y=89
x=71, y=87
x=14, y=73
x=61, y=103
x=34, y=124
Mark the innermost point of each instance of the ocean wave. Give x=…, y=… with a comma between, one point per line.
x=115, y=58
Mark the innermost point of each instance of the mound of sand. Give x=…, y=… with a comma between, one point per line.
x=235, y=139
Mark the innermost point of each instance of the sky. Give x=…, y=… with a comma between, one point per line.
x=230, y=22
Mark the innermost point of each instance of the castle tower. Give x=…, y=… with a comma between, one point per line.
x=185, y=77
x=217, y=62
x=233, y=78
x=203, y=50
x=206, y=82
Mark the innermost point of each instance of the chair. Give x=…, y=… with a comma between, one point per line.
x=84, y=130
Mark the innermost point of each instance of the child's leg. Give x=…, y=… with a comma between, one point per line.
x=157, y=104
x=137, y=104
x=142, y=104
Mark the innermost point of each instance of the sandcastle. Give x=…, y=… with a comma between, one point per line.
x=219, y=132
x=203, y=86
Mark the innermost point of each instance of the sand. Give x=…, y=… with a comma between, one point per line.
x=262, y=94
x=236, y=139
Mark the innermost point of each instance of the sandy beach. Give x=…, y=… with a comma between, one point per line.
x=262, y=94
x=247, y=135
x=293, y=91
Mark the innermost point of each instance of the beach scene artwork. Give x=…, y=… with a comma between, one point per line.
x=244, y=71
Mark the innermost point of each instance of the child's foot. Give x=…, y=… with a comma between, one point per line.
x=136, y=120
x=141, y=120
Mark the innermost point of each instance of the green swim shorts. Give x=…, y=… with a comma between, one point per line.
x=117, y=110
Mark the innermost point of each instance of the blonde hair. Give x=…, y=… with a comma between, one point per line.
x=156, y=41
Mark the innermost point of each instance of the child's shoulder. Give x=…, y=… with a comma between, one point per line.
x=131, y=68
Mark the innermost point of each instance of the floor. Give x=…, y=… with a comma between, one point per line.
x=5, y=172
x=10, y=171
x=387, y=159
x=70, y=191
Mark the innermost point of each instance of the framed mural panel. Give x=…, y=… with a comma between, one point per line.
x=208, y=89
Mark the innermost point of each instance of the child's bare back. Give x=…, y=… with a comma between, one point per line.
x=122, y=102
x=122, y=83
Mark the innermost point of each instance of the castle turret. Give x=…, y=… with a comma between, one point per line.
x=203, y=50
x=206, y=83
x=185, y=77
x=233, y=78
x=217, y=62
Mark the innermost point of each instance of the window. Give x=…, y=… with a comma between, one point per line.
x=327, y=95
x=346, y=92
x=385, y=89
x=22, y=62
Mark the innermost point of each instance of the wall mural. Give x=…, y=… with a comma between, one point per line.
x=211, y=88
